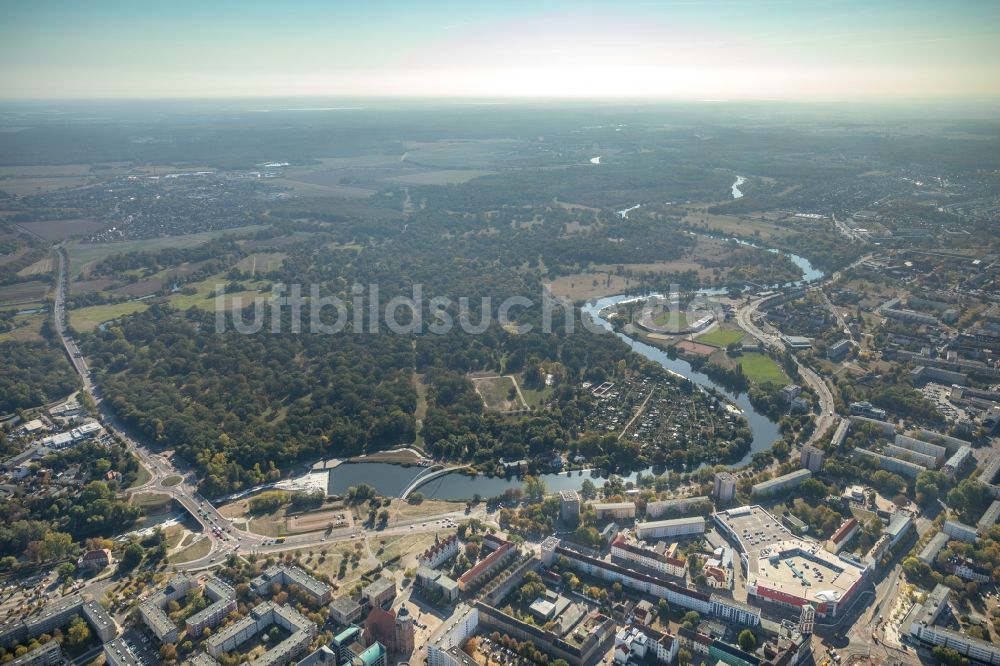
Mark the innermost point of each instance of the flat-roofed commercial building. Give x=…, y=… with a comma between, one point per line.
x=787, y=570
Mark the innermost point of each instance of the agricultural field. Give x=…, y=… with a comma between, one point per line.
x=41, y=267
x=22, y=293
x=89, y=318
x=59, y=230
x=441, y=177
x=84, y=255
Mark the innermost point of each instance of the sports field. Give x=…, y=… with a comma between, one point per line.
x=721, y=337
x=674, y=319
x=761, y=369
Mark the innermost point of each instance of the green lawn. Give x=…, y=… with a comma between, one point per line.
x=89, y=318
x=760, y=369
x=721, y=337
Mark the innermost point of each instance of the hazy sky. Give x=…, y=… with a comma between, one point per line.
x=693, y=49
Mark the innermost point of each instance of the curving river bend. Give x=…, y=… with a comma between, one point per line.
x=391, y=480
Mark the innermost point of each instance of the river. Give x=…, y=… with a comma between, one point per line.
x=390, y=480
x=737, y=194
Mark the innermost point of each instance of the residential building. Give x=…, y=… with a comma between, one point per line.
x=452, y=633
x=960, y=462
x=437, y=583
x=488, y=565
x=900, y=527
x=780, y=483
x=990, y=517
x=614, y=510
x=284, y=574
x=662, y=559
x=569, y=506
x=261, y=617
x=842, y=536
x=890, y=464
x=47, y=654
x=659, y=508
x=677, y=527
x=921, y=622
x=96, y=560
x=118, y=653
x=56, y=614
x=724, y=488
x=930, y=552
x=345, y=610
x=442, y=551
x=379, y=593
x=223, y=601
x=152, y=613
x=811, y=458
x=968, y=570
x=961, y=531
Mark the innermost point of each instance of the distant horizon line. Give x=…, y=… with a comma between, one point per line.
x=482, y=100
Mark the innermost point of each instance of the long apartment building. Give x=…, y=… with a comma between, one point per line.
x=223, y=598
x=152, y=613
x=921, y=622
x=615, y=510
x=657, y=558
x=679, y=505
x=261, y=617
x=496, y=560
x=57, y=614
x=674, y=593
x=667, y=529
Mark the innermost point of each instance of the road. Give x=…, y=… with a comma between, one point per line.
x=224, y=536
x=772, y=338
x=826, y=418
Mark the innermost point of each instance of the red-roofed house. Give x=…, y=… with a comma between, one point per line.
x=96, y=560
